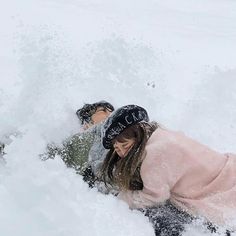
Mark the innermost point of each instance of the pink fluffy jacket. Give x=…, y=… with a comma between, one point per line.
x=192, y=176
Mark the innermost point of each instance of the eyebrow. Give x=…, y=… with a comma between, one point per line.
x=125, y=141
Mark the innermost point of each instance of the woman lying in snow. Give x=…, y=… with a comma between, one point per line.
x=85, y=152
x=153, y=165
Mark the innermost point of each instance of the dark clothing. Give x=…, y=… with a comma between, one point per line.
x=2, y=145
x=89, y=177
x=167, y=220
x=2, y=153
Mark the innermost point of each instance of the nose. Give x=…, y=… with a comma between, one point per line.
x=118, y=148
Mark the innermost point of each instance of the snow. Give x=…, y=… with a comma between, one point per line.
x=175, y=58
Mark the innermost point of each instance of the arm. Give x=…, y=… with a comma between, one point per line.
x=143, y=198
x=158, y=173
x=73, y=151
x=156, y=188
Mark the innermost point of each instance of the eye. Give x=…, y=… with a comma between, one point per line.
x=126, y=145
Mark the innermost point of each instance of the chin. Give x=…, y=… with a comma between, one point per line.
x=121, y=156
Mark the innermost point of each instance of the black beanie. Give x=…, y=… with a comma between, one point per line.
x=121, y=119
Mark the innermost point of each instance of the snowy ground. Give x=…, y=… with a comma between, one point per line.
x=176, y=58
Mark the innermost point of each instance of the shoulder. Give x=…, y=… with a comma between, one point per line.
x=163, y=148
x=163, y=154
x=161, y=139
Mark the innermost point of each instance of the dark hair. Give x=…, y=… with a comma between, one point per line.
x=125, y=172
x=85, y=113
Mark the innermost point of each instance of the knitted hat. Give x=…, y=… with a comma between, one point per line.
x=121, y=119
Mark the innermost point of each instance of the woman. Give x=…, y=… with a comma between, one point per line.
x=151, y=165
x=83, y=151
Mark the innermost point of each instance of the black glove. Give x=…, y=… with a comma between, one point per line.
x=88, y=176
x=2, y=145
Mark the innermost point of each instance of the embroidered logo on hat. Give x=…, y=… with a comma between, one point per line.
x=121, y=119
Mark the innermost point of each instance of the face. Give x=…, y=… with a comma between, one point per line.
x=100, y=115
x=123, y=148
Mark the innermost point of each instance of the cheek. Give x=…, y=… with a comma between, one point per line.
x=127, y=150
x=131, y=144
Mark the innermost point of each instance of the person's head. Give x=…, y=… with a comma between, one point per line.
x=91, y=114
x=126, y=133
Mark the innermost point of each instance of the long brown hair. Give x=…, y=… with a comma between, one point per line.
x=125, y=172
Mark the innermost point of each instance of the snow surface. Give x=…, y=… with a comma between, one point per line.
x=175, y=58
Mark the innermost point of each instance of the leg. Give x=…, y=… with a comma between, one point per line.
x=167, y=220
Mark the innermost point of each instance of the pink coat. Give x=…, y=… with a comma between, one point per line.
x=194, y=177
